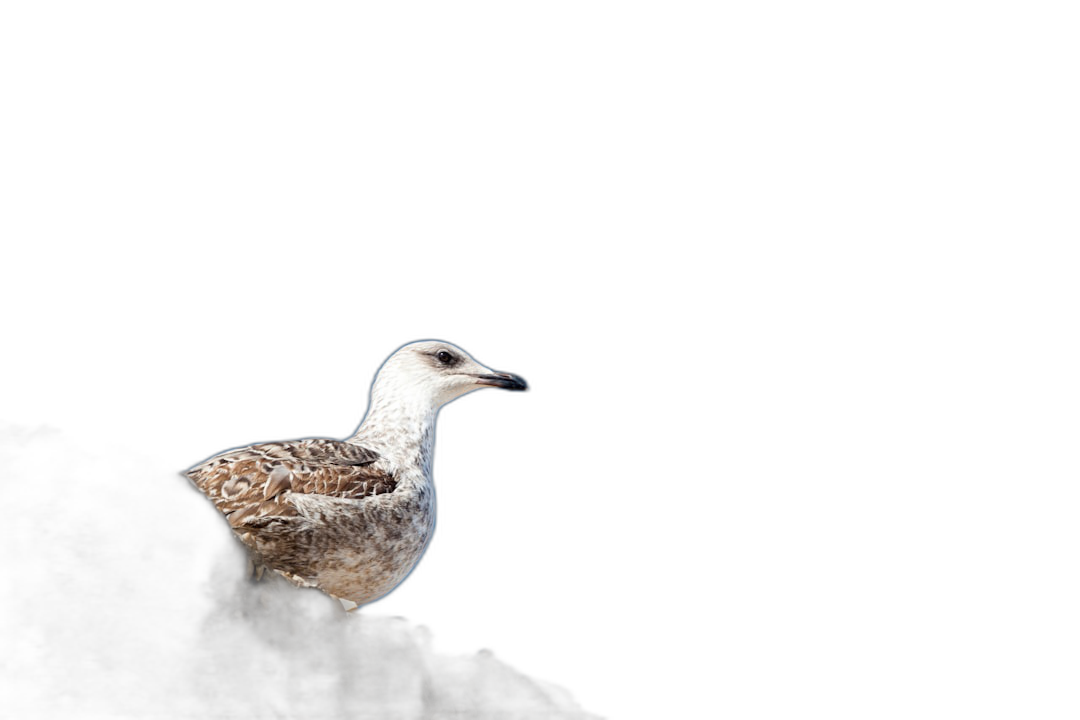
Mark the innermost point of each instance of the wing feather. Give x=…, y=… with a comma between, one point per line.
x=255, y=482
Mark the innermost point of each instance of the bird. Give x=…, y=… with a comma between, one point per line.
x=350, y=517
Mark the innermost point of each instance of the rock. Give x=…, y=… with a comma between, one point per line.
x=124, y=597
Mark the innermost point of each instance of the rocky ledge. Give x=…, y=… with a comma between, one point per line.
x=131, y=597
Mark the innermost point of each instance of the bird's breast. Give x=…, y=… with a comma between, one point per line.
x=367, y=552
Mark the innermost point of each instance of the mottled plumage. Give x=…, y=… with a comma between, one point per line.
x=351, y=517
x=256, y=481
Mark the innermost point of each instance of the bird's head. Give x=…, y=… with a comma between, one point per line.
x=432, y=373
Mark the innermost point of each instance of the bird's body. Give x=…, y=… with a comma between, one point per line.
x=351, y=517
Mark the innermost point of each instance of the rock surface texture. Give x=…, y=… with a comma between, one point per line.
x=109, y=611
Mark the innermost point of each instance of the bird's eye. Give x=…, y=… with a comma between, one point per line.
x=444, y=357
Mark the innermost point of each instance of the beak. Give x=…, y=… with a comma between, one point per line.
x=502, y=380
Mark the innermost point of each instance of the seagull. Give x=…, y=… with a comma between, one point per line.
x=350, y=517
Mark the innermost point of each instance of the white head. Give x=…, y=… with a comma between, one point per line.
x=428, y=374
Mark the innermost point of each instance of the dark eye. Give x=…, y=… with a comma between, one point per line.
x=444, y=357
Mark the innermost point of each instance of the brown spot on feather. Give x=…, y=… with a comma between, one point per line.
x=277, y=482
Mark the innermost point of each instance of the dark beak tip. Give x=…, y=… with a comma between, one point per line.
x=506, y=381
x=509, y=381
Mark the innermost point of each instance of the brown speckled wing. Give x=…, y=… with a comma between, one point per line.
x=255, y=482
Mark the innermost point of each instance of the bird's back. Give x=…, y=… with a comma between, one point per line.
x=259, y=480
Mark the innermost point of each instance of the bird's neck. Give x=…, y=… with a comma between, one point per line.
x=403, y=432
